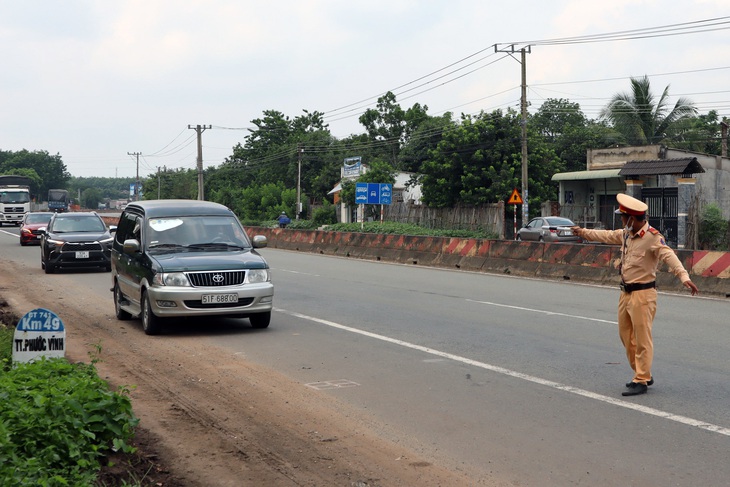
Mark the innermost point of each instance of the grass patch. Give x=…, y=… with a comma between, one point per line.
x=58, y=420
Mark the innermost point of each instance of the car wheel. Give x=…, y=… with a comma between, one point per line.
x=118, y=298
x=540, y=239
x=519, y=238
x=23, y=243
x=260, y=320
x=48, y=267
x=151, y=324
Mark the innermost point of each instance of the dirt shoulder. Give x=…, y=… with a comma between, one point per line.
x=210, y=418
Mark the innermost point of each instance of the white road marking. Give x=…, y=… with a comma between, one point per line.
x=511, y=373
x=295, y=272
x=553, y=313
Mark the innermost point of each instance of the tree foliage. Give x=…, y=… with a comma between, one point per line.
x=642, y=119
x=47, y=171
x=469, y=160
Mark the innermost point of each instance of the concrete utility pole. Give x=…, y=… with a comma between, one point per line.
x=299, y=183
x=523, y=109
x=199, y=129
x=136, y=185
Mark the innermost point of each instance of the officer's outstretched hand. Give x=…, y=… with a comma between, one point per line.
x=692, y=287
x=577, y=230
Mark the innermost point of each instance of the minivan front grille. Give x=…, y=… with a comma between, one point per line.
x=216, y=278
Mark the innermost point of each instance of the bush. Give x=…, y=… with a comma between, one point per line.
x=408, y=229
x=57, y=421
x=713, y=228
x=325, y=215
x=6, y=344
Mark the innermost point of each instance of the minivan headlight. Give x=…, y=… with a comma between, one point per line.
x=258, y=275
x=171, y=279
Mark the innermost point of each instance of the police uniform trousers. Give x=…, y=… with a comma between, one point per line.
x=636, y=312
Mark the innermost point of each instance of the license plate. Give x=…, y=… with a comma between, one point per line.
x=219, y=298
x=82, y=254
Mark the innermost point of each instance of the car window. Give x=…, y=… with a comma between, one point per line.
x=194, y=231
x=563, y=222
x=78, y=224
x=38, y=218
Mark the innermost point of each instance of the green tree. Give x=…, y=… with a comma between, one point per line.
x=642, y=119
x=703, y=135
x=713, y=234
x=172, y=184
x=422, y=141
x=90, y=198
x=479, y=162
x=392, y=126
x=50, y=169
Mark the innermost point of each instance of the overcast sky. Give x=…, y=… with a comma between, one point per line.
x=94, y=80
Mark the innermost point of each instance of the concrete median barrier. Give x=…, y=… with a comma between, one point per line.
x=580, y=262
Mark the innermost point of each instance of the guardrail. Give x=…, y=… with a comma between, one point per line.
x=582, y=262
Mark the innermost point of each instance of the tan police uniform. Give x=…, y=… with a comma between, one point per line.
x=641, y=253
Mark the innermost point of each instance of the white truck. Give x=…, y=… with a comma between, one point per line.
x=14, y=198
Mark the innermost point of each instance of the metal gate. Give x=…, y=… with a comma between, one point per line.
x=663, y=211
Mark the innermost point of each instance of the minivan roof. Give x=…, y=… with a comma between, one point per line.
x=167, y=208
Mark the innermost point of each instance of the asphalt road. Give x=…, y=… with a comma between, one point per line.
x=515, y=381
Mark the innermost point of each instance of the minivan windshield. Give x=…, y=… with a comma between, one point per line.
x=196, y=232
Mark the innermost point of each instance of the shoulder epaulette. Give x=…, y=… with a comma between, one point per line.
x=653, y=231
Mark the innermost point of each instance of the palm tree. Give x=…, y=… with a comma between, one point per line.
x=641, y=120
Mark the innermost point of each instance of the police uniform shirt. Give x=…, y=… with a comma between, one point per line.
x=641, y=253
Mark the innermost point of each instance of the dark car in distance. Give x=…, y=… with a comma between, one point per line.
x=30, y=227
x=549, y=229
x=173, y=259
x=76, y=240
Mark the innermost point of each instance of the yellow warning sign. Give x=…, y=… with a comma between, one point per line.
x=515, y=198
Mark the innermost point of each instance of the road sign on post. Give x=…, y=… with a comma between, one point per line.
x=373, y=193
x=515, y=199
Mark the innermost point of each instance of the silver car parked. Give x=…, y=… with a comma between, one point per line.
x=548, y=229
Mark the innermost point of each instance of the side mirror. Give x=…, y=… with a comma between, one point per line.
x=112, y=228
x=130, y=246
x=260, y=241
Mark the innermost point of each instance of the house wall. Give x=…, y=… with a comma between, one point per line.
x=616, y=157
x=712, y=186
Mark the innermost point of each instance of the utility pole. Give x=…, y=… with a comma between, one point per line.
x=199, y=129
x=136, y=184
x=523, y=109
x=299, y=182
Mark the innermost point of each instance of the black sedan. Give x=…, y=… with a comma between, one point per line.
x=74, y=240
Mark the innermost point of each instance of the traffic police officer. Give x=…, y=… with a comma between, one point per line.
x=642, y=248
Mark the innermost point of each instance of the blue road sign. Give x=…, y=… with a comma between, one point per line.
x=373, y=193
x=386, y=193
x=361, y=193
